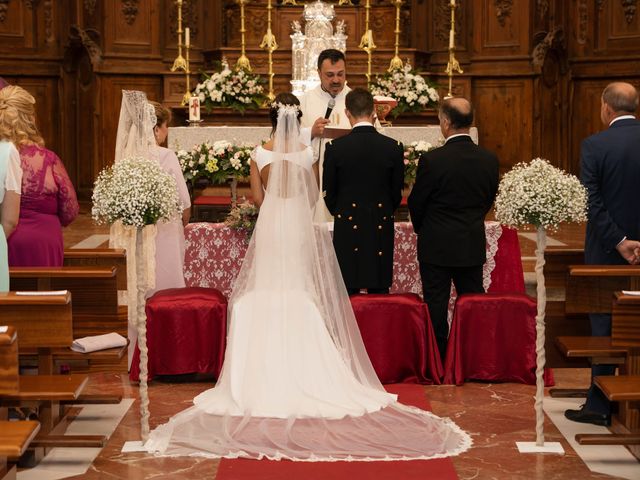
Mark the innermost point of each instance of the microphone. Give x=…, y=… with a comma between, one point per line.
x=332, y=103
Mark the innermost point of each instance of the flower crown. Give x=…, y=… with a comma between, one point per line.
x=285, y=108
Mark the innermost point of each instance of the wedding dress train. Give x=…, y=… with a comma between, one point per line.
x=297, y=382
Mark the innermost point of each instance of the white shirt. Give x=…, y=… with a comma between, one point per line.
x=457, y=135
x=363, y=124
x=622, y=117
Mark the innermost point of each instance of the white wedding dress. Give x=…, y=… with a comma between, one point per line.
x=297, y=382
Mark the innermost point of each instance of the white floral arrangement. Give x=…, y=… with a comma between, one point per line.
x=412, y=153
x=136, y=191
x=411, y=90
x=216, y=163
x=539, y=194
x=235, y=88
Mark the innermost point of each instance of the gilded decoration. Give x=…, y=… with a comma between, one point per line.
x=130, y=10
x=503, y=10
x=629, y=7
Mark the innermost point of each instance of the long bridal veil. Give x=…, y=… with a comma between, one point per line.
x=297, y=382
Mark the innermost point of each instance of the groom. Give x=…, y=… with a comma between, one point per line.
x=362, y=179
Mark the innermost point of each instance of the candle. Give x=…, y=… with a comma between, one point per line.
x=451, y=39
x=187, y=40
x=194, y=109
x=453, y=3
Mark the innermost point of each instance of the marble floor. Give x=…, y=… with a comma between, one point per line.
x=496, y=415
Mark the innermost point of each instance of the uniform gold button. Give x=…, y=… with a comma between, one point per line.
x=353, y=205
x=355, y=227
x=384, y=218
x=350, y=217
x=379, y=205
x=339, y=216
x=380, y=254
x=379, y=227
x=355, y=249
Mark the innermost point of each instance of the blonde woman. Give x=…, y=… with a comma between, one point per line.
x=48, y=200
x=170, y=236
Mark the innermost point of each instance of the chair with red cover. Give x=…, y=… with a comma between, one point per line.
x=492, y=338
x=186, y=332
x=398, y=336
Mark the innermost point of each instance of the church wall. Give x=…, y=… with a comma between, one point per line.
x=533, y=68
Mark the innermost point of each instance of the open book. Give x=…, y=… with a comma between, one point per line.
x=332, y=132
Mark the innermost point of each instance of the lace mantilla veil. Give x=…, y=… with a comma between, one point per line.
x=297, y=382
x=135, y=136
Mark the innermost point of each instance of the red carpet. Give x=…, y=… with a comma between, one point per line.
x=440, y=468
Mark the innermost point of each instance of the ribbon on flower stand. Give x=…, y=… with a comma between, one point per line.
x=140, y=246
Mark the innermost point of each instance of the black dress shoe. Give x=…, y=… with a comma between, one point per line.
x=586, y=416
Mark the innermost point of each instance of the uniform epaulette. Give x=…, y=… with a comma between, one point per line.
x=324, y=193
x=399, y=143
x=329, y=142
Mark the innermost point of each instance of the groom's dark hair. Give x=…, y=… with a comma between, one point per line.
x=359, y=102
x=285, y=98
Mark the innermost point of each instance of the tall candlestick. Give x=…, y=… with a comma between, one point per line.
x=269, y=43
x=396, y=62
x=179, y=63
x=367, y=43
x=243, y=61
x=452, y=65
x=187, y=37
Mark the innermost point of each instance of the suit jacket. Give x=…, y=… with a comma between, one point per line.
x=455, y=187
x=362, y=179
x=610, y=169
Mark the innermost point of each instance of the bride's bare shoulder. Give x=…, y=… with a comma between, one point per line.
x=268, y=145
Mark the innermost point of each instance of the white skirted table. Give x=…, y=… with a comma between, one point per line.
x=183, y=138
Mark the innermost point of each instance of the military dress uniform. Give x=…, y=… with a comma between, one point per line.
x=363, y=177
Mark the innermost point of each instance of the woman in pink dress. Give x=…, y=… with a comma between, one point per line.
x=170, y=235
x=48, y=200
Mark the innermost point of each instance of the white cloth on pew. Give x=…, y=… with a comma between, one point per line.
x=98, y=342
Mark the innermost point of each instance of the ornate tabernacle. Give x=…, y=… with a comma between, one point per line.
x=305, y=47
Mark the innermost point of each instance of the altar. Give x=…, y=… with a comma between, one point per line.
x=214, y=255
x=184, y=138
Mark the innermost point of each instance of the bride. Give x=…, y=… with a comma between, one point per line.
x=297, y=383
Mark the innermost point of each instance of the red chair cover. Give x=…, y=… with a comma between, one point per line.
x=186, y=332
x=493, y=338
x=398, y=336
x=508, y=276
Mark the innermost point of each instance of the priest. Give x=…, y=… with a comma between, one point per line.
x=324, y=107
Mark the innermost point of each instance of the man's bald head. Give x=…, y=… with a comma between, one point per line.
x=458, y=112
x=621, y=97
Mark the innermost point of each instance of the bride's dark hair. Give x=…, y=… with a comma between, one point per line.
x=284, y=98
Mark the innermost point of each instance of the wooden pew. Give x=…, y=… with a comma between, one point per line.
x=589, y=290
x=15, y=438
x=558, y=322
x=42, y=322
x=42, y=391
x=100, y=257
x=95, y=309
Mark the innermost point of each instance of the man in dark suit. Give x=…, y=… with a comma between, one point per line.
x=455, y=187
x=363, y=178
x=610, y=169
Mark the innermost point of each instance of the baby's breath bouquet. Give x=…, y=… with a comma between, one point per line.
x=234, y=87
x=412, y=154
x=539, y=194
x=412, y=91
x=243, y=217
x=137, y=192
